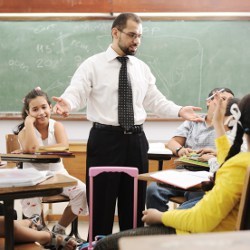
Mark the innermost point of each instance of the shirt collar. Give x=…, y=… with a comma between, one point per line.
x=111, y=55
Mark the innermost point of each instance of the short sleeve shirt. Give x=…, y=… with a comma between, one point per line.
x=198, y=135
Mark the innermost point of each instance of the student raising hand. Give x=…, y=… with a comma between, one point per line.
x=219, y=114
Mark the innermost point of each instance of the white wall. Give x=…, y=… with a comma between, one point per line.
x=156, y=131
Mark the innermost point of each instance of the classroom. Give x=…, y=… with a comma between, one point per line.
x=190, y=46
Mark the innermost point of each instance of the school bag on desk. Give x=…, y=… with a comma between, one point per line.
x=94, y=171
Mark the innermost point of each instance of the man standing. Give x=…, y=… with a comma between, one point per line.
x=117, y=89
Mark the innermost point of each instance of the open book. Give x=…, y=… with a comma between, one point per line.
x=191, y=160
x=47, y=150
x=182, y=178
x=22, y=177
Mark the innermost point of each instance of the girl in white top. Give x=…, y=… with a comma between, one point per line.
x=39, y=130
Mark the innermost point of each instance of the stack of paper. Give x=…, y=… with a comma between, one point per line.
x=158, y=148
x=22, y=177
x=182, y=178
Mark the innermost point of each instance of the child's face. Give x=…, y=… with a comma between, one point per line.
x=40, y=109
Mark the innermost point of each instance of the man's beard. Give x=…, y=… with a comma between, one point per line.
x=126, y=51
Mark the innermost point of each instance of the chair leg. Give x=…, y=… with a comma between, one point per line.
x=74, y=230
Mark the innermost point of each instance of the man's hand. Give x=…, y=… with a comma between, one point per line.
x=61, y=107
x=188, y=113
x=152, y=216
x=206, y=151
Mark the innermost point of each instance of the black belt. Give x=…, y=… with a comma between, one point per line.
x=136, y=129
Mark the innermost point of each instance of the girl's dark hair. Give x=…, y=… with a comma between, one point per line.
x=230, y=102
x=26, y=101
x=244, y=127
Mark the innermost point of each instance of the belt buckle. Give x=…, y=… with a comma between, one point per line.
x=127, y=132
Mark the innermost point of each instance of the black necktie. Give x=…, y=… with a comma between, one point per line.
x=125, y=100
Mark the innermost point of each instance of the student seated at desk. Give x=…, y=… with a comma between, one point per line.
x=228, y=123
x=24, y=234
x=189, y=137
x=217, y=211
x=39, y=130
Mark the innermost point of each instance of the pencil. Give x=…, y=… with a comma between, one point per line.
x=210, y=97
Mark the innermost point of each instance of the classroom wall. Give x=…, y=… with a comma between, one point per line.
x=156, y=131
x=111, y=6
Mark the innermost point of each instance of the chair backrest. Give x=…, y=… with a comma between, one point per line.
x=243, y=220
x=11, y=143
x=94, y=171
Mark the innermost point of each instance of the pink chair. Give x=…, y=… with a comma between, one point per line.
x=94, y=171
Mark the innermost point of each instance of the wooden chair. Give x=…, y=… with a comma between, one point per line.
x=177, y=200
x=13, y=144
x=243, y=220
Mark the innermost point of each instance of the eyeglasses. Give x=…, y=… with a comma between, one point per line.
x=132, y=35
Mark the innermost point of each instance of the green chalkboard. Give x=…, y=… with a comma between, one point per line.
x=188, y=58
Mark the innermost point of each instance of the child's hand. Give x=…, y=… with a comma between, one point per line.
x=185, y=151
x=152, y=216
x=205, y=157
x=30, y=119
x=206, y=151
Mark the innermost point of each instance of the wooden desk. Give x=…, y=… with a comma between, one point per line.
x=147, y=177
x=216, y=241
x=33, y=158
x=49, y=187
x=160, y=158
x=8, y=195
x=77, y=166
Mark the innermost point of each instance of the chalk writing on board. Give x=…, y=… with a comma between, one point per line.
x=187, y=58
x=13, y=63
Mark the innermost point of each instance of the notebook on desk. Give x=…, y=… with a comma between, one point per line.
x=23, y=177
x=158, y=148
x=182, y=178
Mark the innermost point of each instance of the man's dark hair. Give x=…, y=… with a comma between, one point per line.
x=121, y=21
x=217, y=89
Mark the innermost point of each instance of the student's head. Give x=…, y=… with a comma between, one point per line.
x=126, y=33
x=243, y=126
x=225, y=95
x=37, y=104
x=226, y=90
x=228, y=114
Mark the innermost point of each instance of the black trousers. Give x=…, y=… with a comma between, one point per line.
x=114, y=148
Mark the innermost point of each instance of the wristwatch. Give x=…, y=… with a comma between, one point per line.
x=178, y=149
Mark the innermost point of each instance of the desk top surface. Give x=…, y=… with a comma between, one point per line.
x=226, y=240
x=57, y=181
x=33, y=156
